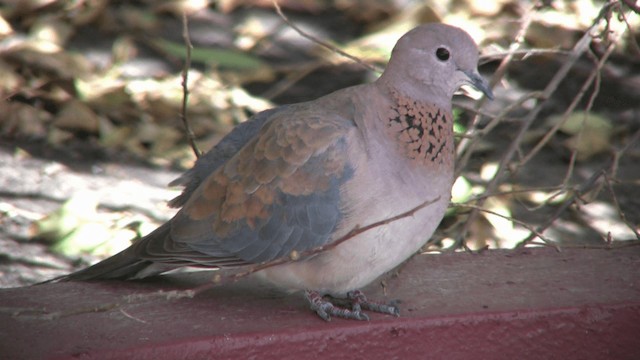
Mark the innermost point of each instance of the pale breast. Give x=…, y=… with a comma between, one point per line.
x=405, y=160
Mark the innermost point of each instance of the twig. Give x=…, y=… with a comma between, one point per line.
x=474, y=135
x=581, y=46
x=289, y=80
x=95, y=309
x=588, y=185
x=618, y=209
x=616, y=158
x=515, y=192
x=185, y=86
x=474, y=110
x=574, y=103
x=294, y=256
x=524, y=52
x=515, y=46
x=631, y=4
x=608, y=246
x=510, y=218
x=633, y=45
x=60, y=200
x=131, y=316
x=464, y=145
x=322, y=43
x=585, y=187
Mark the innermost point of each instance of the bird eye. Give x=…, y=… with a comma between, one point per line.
x=442, y=54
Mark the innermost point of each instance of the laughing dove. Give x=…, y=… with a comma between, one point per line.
x=301, y=177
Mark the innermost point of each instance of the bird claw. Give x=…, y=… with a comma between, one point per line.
x=360, y=300
x=326, y=309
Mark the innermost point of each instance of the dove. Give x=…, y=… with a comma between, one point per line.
x=284, y=190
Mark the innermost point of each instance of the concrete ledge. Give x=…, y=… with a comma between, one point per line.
x=531, y=303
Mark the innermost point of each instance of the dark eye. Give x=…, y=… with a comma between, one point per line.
x=442, y=54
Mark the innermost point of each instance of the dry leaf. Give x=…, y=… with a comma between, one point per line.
x=75, y=115
x=591, y=133
x=22, y=120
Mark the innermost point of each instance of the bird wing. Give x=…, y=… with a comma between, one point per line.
x=220, y=154
x=278, y=194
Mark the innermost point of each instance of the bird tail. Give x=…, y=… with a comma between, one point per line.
x=124, y=265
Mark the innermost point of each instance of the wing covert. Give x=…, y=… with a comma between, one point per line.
x=279, y=193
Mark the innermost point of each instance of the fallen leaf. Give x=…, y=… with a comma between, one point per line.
x=591, y=133
x=75, y=115
x=79, y=208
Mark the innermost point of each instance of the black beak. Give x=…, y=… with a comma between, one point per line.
x=479, y=83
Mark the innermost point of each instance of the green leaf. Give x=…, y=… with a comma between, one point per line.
x=220, y=57
x=458, y=128
x=63, y=221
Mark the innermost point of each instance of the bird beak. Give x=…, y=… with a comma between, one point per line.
x=479, y=83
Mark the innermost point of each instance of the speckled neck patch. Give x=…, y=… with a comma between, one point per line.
x=422, y=130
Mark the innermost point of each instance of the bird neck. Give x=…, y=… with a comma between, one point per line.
x=418, y=90
x=422, y=130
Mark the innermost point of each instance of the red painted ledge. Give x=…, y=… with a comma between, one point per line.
x=526, y=304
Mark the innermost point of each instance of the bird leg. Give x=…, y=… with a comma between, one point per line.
x=358, y=301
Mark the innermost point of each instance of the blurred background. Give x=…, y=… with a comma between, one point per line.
x=91, y=102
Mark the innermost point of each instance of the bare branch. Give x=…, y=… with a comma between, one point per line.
x=322, y=43
x=521, y=223
x=295, y=256
x=581, y=46
x=623, y=217
x=588, y=185
x=574, y=103
x=631, y=4
x=185, y=86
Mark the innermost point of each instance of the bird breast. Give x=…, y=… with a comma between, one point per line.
x=401, y=162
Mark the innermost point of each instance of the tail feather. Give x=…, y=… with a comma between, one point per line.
x=124, y=265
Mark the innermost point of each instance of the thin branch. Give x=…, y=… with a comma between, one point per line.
x=464, y=145
x=525, y=53
x=574, y=103
x=295, y=256
x=581, y=46
x=519, y=222
x=290, y=79
x=623, y=217
x=474, y=110
x=322, y=43
x=125, y=313
x=515, y=46
x=633, y=44
x=185, y=86
x=585, y=187
x=631, y=4
x=517, y=191
x=219, y=279
x=474, y=135
x=588, y=185
x=607, y=246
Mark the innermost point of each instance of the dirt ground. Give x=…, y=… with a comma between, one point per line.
x=93, y=115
